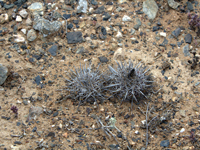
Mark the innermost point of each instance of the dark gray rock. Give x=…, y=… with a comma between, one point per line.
x=18, y=123
x=37, y=80
x=179, y=44
x=66, y=16
x=155, y=28
x=188, y=38
x=176, y=32
x=53, y=49
x=74, y=37
x=25, y=102
x=70, y=2
x=101, y=36
x=3, y=74
x=70, y=26
x=103, y=59
x=8, y=6
x=164, y=143
x=94, y=2
x=113, y=146
x=106, y=17
x=17, y=142
x=109, y=3
x=189, y=6
x=76, y=21
x=52, y=134
x=34, y=129
x=103, y=30
x=55, y=114
x=99, y=10
x=186, y=50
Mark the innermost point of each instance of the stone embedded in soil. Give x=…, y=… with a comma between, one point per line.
x=113, y=146
x=119, y=54
x=74, y=37
x=155, y=28
x=70, y=2
x=66, y=16
x=106, y=17
x=139, y=23
x=34, y=129
x=55, y=114
x=37, y=80
x=53, y=50
x=23, y=13
x=173, y=4
x=188, y=38
x=45, y=26
x=8, y=6
x=31, y=35
x=189, y=6
x=176, y=32
x=94, y=2
x=103, y=30
x=82, y=6
x=52, y=134
x=81, y=50
x=17, y=142
x=164, y=43
x=3, y=18
x=186, y=50
x=34, y=111
x=36, y=8
x=70, y=26
x=150, y=8
x=99, y=10
x=3, y=74
x=164, y=143
x=103, y=59
x=126, y=18
x=25, y=102
x=182, y=113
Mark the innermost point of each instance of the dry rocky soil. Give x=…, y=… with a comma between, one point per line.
x=38, y=64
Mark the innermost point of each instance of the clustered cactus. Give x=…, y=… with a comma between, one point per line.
x=125, y=82
x=129, y=82
x=86, y=85
x=194, y=22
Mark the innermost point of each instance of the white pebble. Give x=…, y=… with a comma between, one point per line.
x=23, y=13
x=136, y=132
x=23, y=30
x=19, y=18
x=126, y=18
x=19, y=38
x=133, y=39
x=143, y=122
x=119, y=35
x=182, y=130
x=163, y=34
